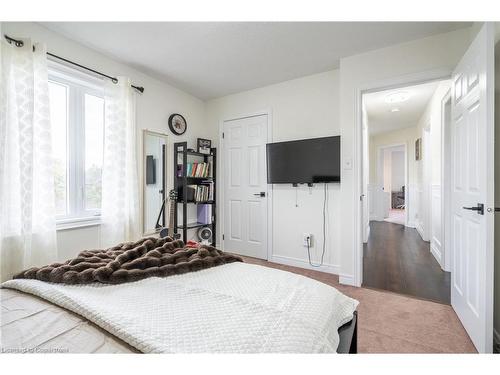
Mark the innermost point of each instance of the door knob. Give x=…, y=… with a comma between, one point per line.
x=261, y=194
x=479, y=208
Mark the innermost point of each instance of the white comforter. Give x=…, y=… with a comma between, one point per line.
x=237, y=308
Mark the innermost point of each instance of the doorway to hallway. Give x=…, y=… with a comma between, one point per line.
x=396, y=259
x=404, y=250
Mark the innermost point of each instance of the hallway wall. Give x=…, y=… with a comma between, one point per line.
x=429, y=173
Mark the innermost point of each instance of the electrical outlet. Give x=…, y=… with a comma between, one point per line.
x=307, y=239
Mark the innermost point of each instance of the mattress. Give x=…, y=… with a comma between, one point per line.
x=30, y=324
x=233, y=308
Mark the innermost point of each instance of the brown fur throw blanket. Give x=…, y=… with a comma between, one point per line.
x=131, y=261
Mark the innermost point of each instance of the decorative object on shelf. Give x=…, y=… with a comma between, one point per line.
x=418, y=149
x=205, y=235
x=204, y=214
x=177, y=124
x=204, y=146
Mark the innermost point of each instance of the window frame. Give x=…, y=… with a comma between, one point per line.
x=78, y=84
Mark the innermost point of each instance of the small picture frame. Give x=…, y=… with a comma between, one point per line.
x=418, y=149
x=204, y=146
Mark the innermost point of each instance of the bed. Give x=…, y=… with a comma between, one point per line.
x=232, y=308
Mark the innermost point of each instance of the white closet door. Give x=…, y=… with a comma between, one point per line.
x=245, y=186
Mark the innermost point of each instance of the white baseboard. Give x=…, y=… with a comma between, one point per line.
x=496, y=340
x=367, y=231
x=436, y=253
x=411, y=224
x=420, y=230
x=347, y=280
x=296, y=262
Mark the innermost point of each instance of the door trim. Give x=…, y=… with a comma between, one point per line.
x=221, y=168
x=356, y=279
x=445, y=183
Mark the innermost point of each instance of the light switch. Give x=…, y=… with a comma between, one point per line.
x=347, y=163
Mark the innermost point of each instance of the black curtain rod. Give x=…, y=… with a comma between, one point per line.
x=20, y=43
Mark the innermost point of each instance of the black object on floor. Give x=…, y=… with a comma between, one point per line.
x=398, y=260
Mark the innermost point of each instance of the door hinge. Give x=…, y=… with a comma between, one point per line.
x=222, y=134
x=222, y=237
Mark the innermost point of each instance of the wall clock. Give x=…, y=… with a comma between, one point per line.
x=177, y=124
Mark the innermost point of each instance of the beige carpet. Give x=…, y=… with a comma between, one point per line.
x=392, y=323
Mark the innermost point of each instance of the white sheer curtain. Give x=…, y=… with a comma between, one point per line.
x=120, y=186
x=27, y=208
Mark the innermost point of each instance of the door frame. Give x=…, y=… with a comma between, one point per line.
x=424, y=224
x=380, y=150
x=221, y=169
x=383, y=84
x=445, y=183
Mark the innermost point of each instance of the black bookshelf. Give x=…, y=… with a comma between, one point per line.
x=182, y=156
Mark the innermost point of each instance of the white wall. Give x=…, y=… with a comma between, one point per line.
x=307, y=107
x=429, y=222
x=153, y=109
x=431, y=120
x=406, y=136
x=393, y=65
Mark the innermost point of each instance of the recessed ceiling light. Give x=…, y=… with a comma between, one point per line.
x=397, y=97
x=395, y=110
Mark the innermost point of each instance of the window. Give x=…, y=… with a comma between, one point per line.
x=77, y=120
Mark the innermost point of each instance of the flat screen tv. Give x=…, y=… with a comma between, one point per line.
x=304, y=161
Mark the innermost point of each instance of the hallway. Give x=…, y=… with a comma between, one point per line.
x=396, y=259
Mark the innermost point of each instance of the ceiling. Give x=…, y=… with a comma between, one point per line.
x=214, y=59
x=380, y=117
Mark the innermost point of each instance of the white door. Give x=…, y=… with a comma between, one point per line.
x=472, y=185
x=245, y=186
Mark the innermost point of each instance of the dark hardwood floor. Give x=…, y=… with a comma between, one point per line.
x=398, y=260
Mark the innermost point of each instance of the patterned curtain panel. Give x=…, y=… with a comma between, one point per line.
x=27, y=209
x=120, y=185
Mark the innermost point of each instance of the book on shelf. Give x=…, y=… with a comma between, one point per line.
x=200, y=170
x=203, y=192
x=204, y=214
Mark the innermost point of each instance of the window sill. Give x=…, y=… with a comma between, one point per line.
x=77, y=223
